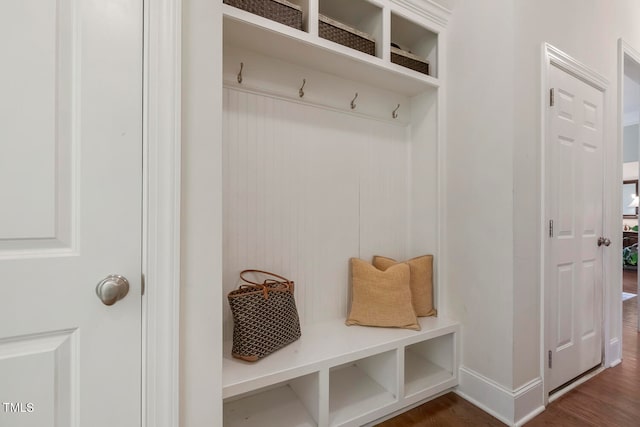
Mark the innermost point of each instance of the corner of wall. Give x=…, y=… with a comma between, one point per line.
x=201, y=215
x=512, y=407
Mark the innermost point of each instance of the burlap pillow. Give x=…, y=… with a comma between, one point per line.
x=421, y=281
x=381, y=298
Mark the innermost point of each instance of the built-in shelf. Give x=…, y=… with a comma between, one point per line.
x=266, y=407
x=421, y=373
x=361, y=15
x=311, y=352
x=416, y=39
x=353, y=392
x=246, y=30
x=303, y=174
x=363, y=378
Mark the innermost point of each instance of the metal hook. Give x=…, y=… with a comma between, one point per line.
x=353, y=101
x=301, y=91
x=394, y=114
x=240, y=73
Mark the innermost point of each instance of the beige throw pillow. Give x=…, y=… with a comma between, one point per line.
x=381, y=298
x=421, y=281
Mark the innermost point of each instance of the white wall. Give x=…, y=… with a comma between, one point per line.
x=201, y=215
x=305, y=189
x=630, y=140
x=630, y=170
x=480, y=183
x=493, y=165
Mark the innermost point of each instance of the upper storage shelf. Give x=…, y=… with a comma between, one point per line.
x=307, y=48
x=413, y=45
x=363, y=18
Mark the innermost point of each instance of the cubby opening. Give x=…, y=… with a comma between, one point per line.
x=428, y=364
x=416, y=40
x=360, y=15
x=363, y=386
x=286, y=12
x=291, y=403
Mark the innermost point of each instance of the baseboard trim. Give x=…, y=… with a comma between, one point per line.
x=615, y=363
x=512, y=407
x=485, y=408
x=615, y=353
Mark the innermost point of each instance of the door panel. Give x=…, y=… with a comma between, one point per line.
x=71, y=191
x=575, y=183
x=36, y=367
x=565, y=300
x=37, y=82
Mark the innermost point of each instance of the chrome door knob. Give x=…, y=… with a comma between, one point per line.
x=603, y=241
x=112, y=289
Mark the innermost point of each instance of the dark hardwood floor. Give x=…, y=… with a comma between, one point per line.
x=630, y=281
x=449, y=410
x=611, y=398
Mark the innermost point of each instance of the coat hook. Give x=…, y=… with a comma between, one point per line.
x=395, y=112
x=353, y=102
x=301, y=91
x=240, y=73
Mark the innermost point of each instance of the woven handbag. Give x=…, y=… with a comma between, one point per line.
x=265, y=317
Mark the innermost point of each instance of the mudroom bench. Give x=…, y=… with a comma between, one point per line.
x=330, y=151
x=338, y=375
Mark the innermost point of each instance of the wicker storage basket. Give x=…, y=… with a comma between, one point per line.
x=338, y=32
x=409, y=60
x=277, y=10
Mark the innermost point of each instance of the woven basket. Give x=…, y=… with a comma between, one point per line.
x=338, y=32
x=409, y=60
x=277, y=10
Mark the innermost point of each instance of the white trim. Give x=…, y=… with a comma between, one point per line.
x=624, y=49
x=201, y=304
x=544, y=84
x=401, y=121
x=615, y=351
x=427, y=9
x=161, y=253
x=630, y=51
x=552, y=56
x=512, y=407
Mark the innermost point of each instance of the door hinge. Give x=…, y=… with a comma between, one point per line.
x=142, y=285
x=552, y=100
x=550, y=228
x=550, y=359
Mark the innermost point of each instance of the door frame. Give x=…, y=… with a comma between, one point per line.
x=182, y=248
x=624, y=49
x=552, y=56
x=161, y=212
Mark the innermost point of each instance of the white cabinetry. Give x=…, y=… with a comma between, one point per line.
x=341, y=376
x=315, y=176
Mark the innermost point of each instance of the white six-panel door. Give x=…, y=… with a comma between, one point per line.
x=574, y=197
x=70, y=211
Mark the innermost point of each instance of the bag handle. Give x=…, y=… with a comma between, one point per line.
x=242, y=273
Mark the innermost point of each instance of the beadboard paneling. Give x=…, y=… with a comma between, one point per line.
x=306, y=188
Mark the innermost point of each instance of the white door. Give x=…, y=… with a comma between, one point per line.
x=574, y=272
x=70, y=211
